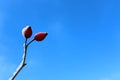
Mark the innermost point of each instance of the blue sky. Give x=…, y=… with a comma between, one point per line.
x=83, y=41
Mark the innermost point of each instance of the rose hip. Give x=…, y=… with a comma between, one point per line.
x=40, y=36
x=27, y=32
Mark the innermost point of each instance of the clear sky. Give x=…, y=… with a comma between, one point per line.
x=83, y=41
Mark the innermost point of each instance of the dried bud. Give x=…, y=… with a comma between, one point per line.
x=40, y=36
x=27, y=32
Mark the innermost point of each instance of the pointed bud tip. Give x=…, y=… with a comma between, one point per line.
x=28, y=26
x=46, y=33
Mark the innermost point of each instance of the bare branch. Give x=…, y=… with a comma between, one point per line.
x=22, y=64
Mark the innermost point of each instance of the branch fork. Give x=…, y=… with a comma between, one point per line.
x=23, y=62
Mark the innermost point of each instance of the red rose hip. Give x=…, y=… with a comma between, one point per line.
x=27, y=32
x=40, y=36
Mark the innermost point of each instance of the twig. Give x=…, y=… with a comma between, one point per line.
x=30, y=42
x=22, y=64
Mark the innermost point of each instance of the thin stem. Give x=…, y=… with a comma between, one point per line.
x=22, y=64
x=26, y=41
x=30, y=42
